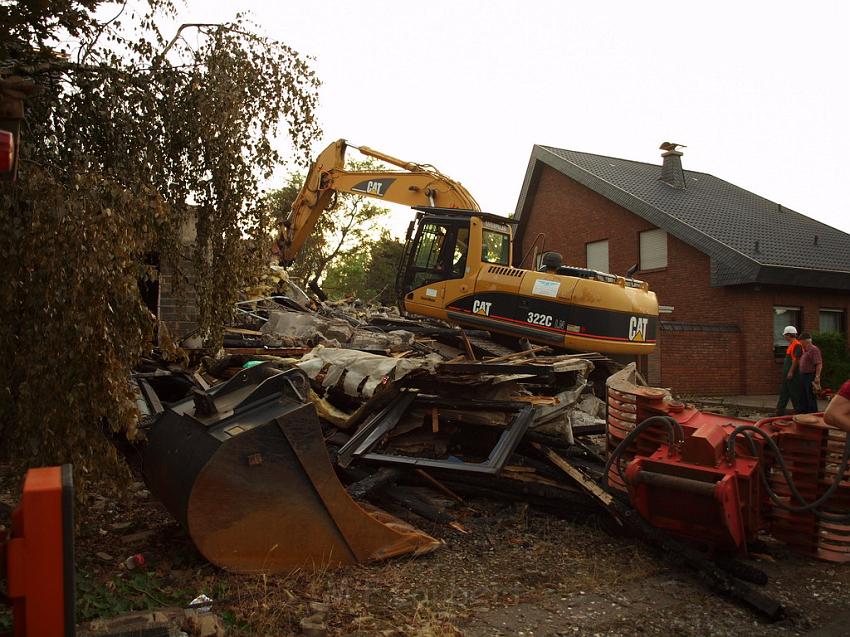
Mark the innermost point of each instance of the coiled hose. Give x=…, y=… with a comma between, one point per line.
x=676, y=436
x=780, y=460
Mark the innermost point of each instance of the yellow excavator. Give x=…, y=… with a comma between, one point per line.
x=457, y=263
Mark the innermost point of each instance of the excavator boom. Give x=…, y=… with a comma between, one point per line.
x=413, y=185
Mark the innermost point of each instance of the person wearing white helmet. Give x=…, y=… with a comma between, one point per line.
x=791, y=387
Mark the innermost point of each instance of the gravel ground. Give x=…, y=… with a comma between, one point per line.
x=517, y=571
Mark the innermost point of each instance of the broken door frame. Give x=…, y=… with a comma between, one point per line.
x=362, y=443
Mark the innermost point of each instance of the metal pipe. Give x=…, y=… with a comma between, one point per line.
x=697, y=487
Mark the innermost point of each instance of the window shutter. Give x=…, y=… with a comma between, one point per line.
x=653, y=249
x=597, y=256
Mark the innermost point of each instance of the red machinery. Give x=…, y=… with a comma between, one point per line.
x=37, y=557
x=13, y=90
x=778, y=475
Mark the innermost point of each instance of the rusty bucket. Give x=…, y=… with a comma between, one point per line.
x=245, y=470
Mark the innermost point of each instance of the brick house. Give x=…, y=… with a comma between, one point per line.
x=730, y=268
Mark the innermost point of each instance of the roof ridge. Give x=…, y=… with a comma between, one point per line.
x=631, y=161
x=696, y=172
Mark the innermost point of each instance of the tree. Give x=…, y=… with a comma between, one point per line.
x=368, y=273
x=836, y=358
x=131, y=134
x=343, y=231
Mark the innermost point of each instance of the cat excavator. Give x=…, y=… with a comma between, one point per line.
x=457, y=263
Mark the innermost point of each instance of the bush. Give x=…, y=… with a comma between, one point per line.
x=836, y=358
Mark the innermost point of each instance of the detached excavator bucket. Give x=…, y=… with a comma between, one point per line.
x=245, y=470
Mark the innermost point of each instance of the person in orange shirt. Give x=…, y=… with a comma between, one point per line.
x=791, y=387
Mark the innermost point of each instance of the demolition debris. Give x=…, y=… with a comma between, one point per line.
x=305, y=442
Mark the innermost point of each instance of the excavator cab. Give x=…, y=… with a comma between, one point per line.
x=437, y=251
x=445, y=249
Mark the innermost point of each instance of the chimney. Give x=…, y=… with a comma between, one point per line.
x=671, y=171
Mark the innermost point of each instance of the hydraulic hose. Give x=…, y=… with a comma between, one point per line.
x=674, y=430
x=746, y=430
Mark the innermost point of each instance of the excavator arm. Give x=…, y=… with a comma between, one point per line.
x=411, y=185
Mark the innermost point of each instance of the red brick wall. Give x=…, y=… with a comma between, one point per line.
x=701, y=362
x=178, y=301
x=706, y=362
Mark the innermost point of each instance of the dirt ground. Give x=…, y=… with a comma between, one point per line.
x=517, y=571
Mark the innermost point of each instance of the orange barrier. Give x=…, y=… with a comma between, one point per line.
x=39, y=555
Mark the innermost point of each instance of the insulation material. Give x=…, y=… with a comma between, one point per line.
x=375, y=369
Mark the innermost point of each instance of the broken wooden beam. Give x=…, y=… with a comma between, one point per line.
x=383, y=477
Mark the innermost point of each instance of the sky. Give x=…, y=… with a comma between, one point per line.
x=759, y=92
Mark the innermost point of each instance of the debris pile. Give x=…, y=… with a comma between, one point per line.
x=406, y=413
x=395, y=392
x=277, y=452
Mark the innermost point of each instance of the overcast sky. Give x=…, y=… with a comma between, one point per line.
x=758, y=91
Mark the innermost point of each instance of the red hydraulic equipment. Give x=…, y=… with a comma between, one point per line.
x=694, y=493
x=37, y=556
x=699, y=488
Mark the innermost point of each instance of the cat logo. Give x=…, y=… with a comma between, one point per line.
x=375, y=187
x=637, y=328
x=481, y=307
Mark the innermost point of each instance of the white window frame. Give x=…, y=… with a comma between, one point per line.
x=650, y=251
x=597, y=261
x=779, y=343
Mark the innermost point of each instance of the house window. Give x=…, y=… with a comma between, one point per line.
x=597, y=255
x=784, y=316
x=831, y=321
x=653, y=249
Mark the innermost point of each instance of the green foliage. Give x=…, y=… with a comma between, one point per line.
x=346, y=277
x=125, y=142
x=368, y=273
x=131, y=591
x=836, y=358
x=343, y=231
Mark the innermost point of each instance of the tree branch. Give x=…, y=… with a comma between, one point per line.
x=198, y=25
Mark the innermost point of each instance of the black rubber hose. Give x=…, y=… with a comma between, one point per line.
x=804, y=506
x=674, y=429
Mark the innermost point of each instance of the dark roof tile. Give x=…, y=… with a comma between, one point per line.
x=745, y=234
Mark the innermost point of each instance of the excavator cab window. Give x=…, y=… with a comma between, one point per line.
x=460, y=250
x=439, y=253
x=495, y=247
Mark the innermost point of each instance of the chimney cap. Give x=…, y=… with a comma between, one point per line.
x=671, y=169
